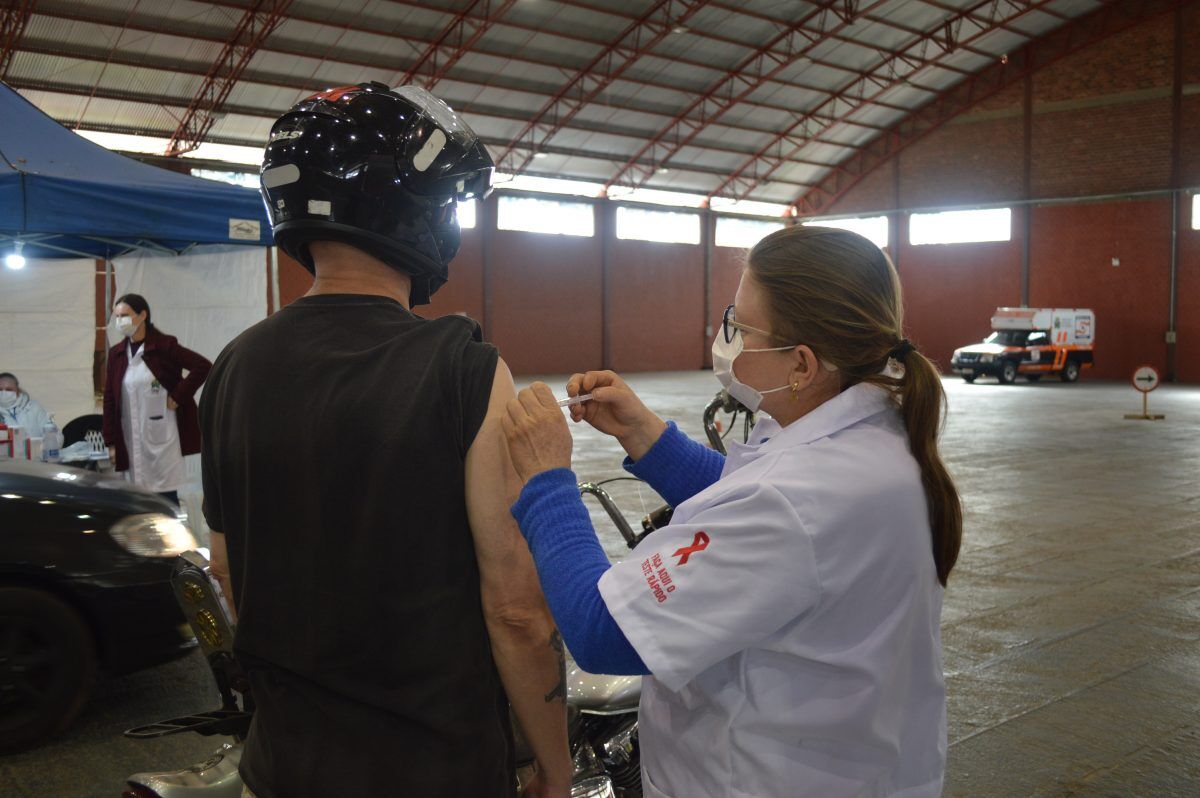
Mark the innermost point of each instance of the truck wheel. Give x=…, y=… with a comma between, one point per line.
x=1008, y=372
x=1070, y=371
x=970, y=378
x=47, y=665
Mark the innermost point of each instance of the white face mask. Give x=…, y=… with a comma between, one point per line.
x=8, y=398
x=126, y=326
x=723, y=355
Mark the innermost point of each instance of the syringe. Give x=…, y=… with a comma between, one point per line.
x=574, y=400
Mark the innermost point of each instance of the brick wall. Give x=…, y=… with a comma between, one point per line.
x=1101, y=124
x=1102, y=150
x=1074, y=248
x=978, y=161
x=950, y=294
x=656, y=295
x=1188, y=293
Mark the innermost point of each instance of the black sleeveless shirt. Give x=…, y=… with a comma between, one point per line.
x=335, y=434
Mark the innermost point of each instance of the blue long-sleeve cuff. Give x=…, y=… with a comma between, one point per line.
x=570, y=562
x=677, y=467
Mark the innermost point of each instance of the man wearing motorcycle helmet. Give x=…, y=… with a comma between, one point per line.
x=355, y=479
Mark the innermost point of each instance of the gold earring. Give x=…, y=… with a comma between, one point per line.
x=795, y=391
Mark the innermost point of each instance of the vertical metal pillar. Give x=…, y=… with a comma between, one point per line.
x=1027, y=189
x=1176, y=145
x=708, y=236
x=606, y=212
x=486, y=224
x=895, y=219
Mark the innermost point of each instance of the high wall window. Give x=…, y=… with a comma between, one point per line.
x=744, y=233
x=960, y=227
x=535, y=215
x=1196, y=212
x=245, y=179
x=466, y=214
x=872, y=228
x=666, y=226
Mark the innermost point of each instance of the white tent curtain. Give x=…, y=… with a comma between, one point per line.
x=48, y=333
x=205, y=299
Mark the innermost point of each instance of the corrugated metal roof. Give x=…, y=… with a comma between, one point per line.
x=678, y=114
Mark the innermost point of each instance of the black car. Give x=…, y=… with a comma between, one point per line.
x=85, y=568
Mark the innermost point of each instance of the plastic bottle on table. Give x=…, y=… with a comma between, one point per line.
x=51, y=442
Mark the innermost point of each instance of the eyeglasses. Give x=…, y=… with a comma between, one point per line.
x=730, y=325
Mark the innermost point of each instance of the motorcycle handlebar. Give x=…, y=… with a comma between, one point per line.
x=610, y=507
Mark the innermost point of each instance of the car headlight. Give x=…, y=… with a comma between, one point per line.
x=153, y=535
x=987, y=358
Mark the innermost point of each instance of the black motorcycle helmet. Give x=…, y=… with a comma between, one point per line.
x=380, y=169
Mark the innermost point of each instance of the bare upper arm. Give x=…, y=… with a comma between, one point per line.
x=218, y=557
x=507, y=575
x=218, y=566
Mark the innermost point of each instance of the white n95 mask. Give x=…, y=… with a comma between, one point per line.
x=125, y=326
x=8, y=398
x=723, y=355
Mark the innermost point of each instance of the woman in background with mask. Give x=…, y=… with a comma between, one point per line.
x=788, y=617
x=150, y=419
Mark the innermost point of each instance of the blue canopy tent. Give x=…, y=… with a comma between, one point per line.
x=62, y=196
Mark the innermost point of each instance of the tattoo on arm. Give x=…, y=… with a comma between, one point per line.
x=560, y=689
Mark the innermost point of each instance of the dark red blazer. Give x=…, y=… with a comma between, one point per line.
x=166, y=360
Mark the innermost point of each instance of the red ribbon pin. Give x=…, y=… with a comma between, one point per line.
x=699, y=543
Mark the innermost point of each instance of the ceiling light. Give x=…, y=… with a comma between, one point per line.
x=16, y=260
x=539, y=155
x=662, y=170
x=680, y=29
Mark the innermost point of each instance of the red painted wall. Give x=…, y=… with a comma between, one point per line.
x=951, y=291
x=656, y=306
x=1073, y=248
x=727, y=266
x=546, y=302
x=1187, y=353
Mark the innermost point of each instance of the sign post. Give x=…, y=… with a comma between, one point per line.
x=1145, y=379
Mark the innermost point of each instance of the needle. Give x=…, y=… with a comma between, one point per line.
x=574, y=400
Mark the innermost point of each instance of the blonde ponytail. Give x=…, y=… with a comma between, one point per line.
x=922, y=404
x=839, y=293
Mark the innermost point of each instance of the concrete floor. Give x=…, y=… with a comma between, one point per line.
x=1071, y=626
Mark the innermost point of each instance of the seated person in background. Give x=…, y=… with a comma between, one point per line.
x=19, y=409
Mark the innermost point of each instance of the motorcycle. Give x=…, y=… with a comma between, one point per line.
x=602, y=720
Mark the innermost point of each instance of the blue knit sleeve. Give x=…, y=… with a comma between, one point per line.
x=569, y=563
x=677, y=467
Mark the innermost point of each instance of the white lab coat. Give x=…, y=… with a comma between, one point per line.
x=27, y=414
x=150, y=430
x=790, y=616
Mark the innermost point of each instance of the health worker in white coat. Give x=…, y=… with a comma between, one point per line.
x=19, y=409
x=150, y=417
x=788, y=617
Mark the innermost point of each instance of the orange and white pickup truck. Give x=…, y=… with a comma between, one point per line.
x=1031, y=342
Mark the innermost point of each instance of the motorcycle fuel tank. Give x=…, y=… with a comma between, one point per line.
x=602, y=695
x=215, y=777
